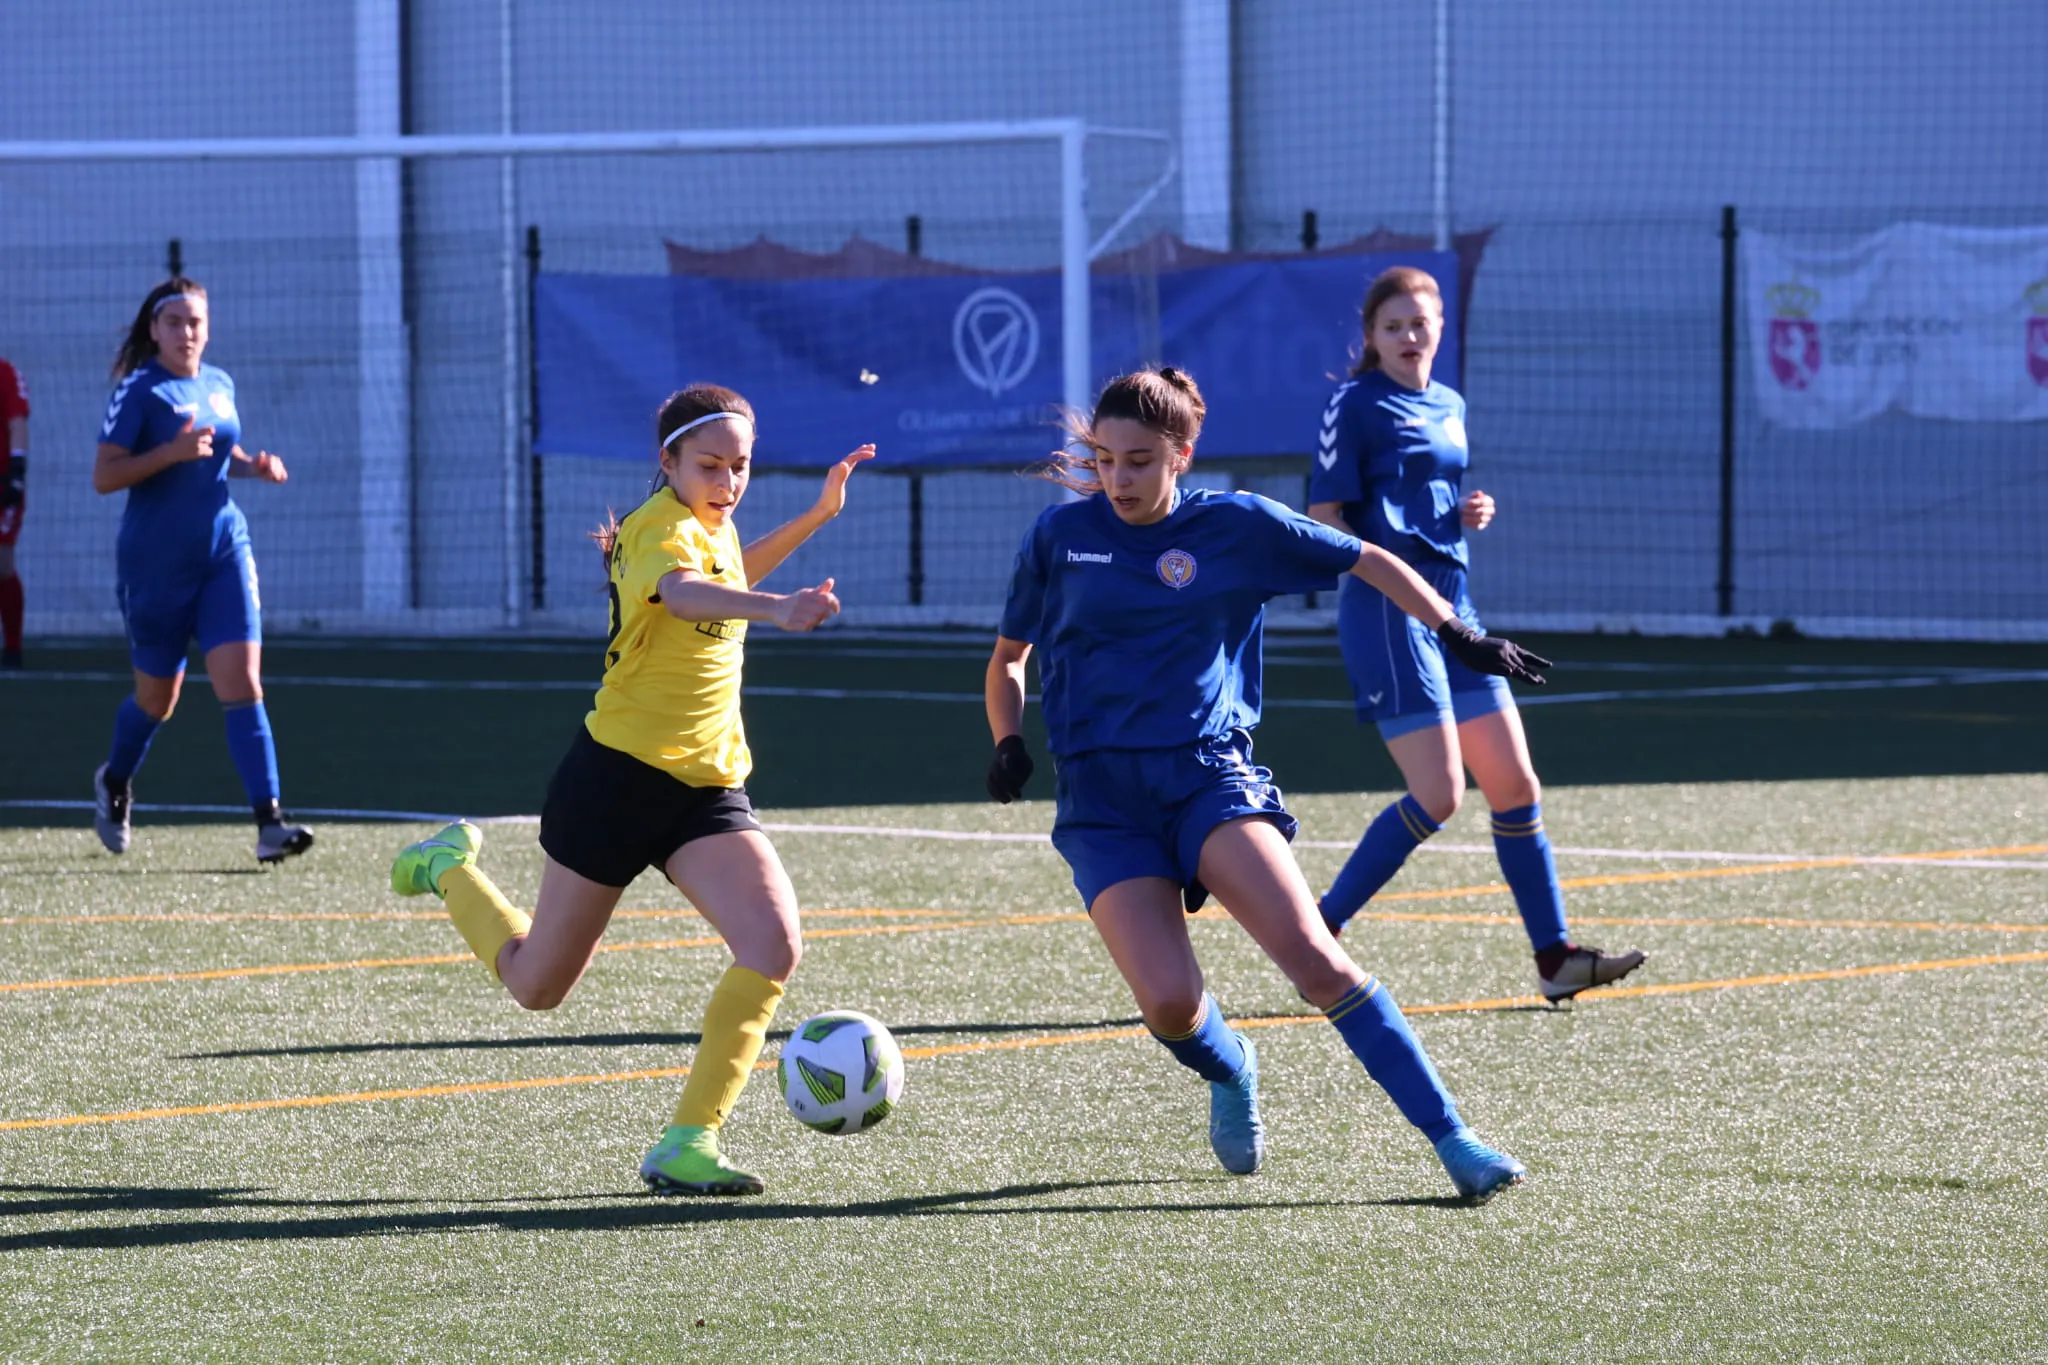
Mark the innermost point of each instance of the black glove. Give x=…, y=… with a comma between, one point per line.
x=1009, y=770
x=14, y=484
x=1490, y=653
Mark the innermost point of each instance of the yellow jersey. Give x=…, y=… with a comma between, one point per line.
x=671, y=692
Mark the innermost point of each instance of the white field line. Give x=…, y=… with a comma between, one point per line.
x=998, y=837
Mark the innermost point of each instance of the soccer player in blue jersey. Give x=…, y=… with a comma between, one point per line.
x=1390, y=469
x=184, y=569
x=1146, y=604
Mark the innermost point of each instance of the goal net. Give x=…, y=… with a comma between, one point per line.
x=374, y=299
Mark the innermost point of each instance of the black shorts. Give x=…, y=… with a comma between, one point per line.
x=608, y=816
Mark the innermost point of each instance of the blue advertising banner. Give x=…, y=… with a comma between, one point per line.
x=958, y=369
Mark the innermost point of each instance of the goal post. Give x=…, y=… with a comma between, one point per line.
x=385, y=535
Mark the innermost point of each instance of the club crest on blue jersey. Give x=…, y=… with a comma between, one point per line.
x=1176, y=568
x=222, y=405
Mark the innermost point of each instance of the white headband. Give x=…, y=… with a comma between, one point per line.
x=170, y=298
x=739, y=417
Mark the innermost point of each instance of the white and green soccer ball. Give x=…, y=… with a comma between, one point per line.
x=840, y=1072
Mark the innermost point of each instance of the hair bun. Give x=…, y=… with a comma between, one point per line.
x=1180, y=380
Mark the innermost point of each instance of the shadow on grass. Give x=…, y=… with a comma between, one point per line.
x=151, y=1199
x=617, y=1212
x=131, y=870
x=626, y=1040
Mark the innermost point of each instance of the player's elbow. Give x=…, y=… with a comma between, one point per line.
x=103, y=480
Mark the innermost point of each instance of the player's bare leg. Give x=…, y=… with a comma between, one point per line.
x=1497, y=751
x=1247, y=863
x=738, y=884
x=235, y=669
x=1144, y=926
x=113, y=790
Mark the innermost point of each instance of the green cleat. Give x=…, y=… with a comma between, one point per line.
x=420, y=866
x=686, y=1161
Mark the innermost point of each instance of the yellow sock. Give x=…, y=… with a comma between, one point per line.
x=486, y=920
x=735, y=1027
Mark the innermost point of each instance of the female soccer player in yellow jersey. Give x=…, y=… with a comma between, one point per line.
x=656, y=775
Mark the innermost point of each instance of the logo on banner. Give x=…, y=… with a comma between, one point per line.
x=1176, y=569
x=995, y=339
x=2037, y=332
x=1794, y=339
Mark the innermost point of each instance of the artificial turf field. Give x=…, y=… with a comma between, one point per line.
x=282, y=1115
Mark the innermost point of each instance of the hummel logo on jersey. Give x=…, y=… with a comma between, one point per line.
x=1083, y=557
x=114, y=403
x=1373, y=698
x=1326, y=453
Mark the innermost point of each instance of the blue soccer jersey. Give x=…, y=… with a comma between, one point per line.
x=1149, y=637
x=180, y=517
x=1395, y=458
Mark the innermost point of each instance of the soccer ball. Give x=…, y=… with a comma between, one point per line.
x=840, y=1072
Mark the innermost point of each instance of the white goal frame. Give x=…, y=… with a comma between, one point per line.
x=386, y=378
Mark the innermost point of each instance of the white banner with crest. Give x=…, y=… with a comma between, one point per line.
x=1934, y=321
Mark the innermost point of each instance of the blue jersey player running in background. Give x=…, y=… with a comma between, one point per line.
x=184, y=569
x=1146, y=604
x=1391, y=468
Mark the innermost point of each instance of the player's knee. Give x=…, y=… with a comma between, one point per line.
x=1321, y=970
x=1441, y=801
x=539, y=995
x=1172, y=1013
x=776, y=960
x=158, y=709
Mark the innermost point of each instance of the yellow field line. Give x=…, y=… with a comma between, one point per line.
x=1704, y=922
x=293, y=916
x=1446, y=893
x=1747, y=921
x=1695, y=873
x=443, y=959
x=1011, y=1044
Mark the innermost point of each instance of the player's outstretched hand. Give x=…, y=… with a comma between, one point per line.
x=1475, y=509
x=832, y=498
x=190, y=444
x=1009, y=770
x=806, y=608
x=1490, y=653
x=269, y=467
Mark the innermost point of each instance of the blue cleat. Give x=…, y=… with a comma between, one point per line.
x=1476, y=1169
x=1236, y=1134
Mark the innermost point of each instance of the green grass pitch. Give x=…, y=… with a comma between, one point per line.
x=281, y=1116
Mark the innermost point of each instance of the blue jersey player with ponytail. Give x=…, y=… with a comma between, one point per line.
x=1145, y=603
x=184, y=569
x=1391, y=469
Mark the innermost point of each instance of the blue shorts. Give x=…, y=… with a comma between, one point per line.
x=216, y=604
x=1401, y=679
x=1125, y=813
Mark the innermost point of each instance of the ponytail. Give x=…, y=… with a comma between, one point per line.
x=1164, y=400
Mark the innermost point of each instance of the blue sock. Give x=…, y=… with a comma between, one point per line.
x=1524, y=852
x=255, y=755
x=134, y=728
x=1210, y=1049
x=1397, y=832
x=1374, y=1028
